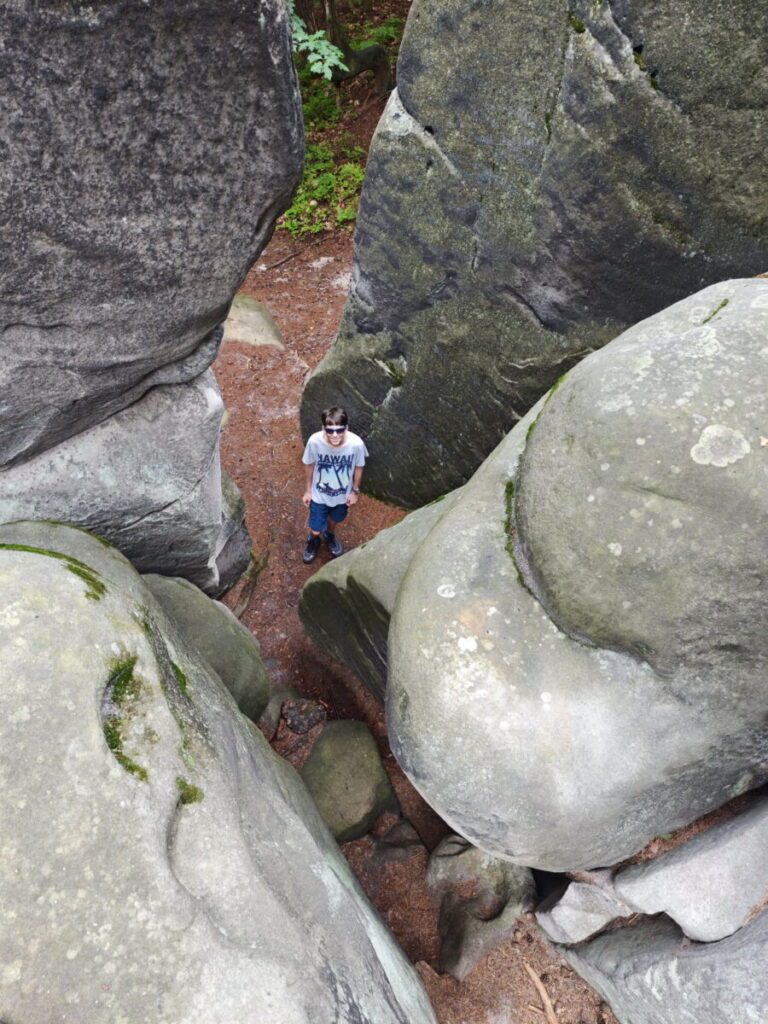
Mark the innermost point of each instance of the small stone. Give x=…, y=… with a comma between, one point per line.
x=301, y=715
x=347, y=780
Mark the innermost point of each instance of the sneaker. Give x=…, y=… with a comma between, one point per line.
x=333, y=542
x=313, y=543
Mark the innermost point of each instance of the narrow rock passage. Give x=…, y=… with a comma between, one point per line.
x=303, y=285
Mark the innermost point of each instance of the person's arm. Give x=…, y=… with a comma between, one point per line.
x=308, y=471
x=353, y=496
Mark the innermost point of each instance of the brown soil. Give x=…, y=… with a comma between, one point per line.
x=304, y=284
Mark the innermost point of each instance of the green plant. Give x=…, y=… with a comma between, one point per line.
x=322, y=56
x=328, y=195
x=188, y=794
x=318, y=99
x=387, y=33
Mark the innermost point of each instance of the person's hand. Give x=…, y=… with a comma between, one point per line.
x=306, y=498
x=352, y=499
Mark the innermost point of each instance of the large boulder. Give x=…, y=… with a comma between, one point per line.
x=159, y=862
x=586, y=670
x=543, y=177
x=146, y=156
x=148, y=480
x=569, y=742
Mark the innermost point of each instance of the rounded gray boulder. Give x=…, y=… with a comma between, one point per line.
x=586, y=669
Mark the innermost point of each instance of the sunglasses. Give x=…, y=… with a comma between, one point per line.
x=334, y=430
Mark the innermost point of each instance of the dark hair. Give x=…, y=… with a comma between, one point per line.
x=334, y=417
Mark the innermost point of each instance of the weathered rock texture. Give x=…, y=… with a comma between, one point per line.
x=147, y=479
x=481, y=899
x=544, y=177
x=640, y=487
x=346, y=606
x=158, y=862
x=629, y=699
x=650, y=975
x=227, y=647
x=146, y=154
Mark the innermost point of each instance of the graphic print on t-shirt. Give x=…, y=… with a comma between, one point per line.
x=334, y=473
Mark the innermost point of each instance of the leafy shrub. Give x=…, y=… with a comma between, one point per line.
x=318, y=99
x=386, y=34
x=322, y=56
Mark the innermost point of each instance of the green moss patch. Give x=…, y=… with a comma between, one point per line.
x=181, y=678
x=188, y=794
x=715, y=311
x=121, y=694
x=509, y=495
x=95, y=588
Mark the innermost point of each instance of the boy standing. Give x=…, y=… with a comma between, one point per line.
x=333, y=461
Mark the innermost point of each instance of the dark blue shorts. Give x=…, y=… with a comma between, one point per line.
x=319, y=514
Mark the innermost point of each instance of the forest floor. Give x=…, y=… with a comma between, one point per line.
x=303, y=283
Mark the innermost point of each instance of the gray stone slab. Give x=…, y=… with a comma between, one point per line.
x=711, y=885
x=250, y=322
x=649, y=974
x=159, y=861
x=582, y=910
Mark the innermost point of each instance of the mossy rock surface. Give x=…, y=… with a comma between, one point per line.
x=153, y=836
x=546, y=174
x=347, y=780
x=226, y=645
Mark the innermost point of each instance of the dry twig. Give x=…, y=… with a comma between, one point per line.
x=546, y=1001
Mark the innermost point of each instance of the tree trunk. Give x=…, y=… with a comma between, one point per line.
x=370, y=58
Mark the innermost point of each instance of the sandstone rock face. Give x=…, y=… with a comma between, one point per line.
x=146, y=155
x=346, y=606
x=649, y=975
x=560, y=744
x=159, y=863
x=542, y=179
x=147, y=479
x=482, y=897
x=569, y=741
x=226, y=645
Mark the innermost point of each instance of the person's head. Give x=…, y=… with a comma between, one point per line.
x=335, y=425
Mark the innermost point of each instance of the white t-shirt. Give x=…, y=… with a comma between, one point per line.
x=334, y=471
